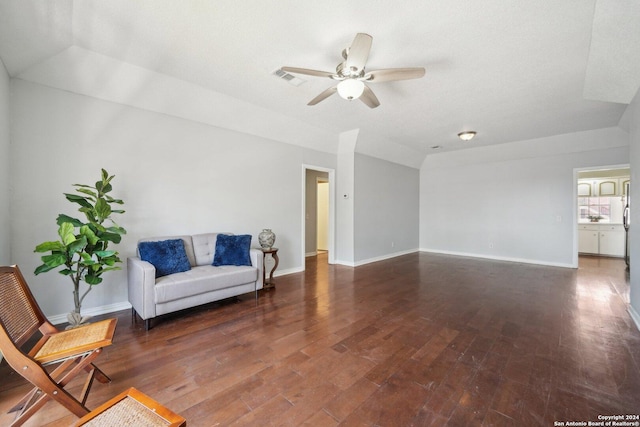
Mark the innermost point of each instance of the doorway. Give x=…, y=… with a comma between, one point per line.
x=318, y=217
x=322, y=234
x=600, y=219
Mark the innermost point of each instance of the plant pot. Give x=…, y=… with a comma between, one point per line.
x=76, y=320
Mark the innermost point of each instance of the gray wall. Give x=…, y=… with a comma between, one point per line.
x=512, y=201
x=634, y=230
x=311, y=210
x=176, y=177
x=386, y=208
x=5, y=169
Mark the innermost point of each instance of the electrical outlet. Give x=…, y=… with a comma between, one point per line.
x=490, y=245
x=393, y=244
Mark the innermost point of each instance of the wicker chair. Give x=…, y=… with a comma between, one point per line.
x=56, y=358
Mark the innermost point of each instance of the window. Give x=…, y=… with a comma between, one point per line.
x=594, y=209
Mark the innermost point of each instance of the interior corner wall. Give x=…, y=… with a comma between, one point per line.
x=344, y=224
x=386, y=209
x=5, y=168
x=512, y=201
x=175, y=176
x=634, y=229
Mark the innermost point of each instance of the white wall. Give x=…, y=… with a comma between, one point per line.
x=386, y=208
x=5, y=169
x=345, y=241
x=175, y=176
x=634, y=229
x=512, y=201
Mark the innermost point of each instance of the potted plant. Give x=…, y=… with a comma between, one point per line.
x=82, y=250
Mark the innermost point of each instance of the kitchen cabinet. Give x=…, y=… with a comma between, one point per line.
x=588, y=239
x=623, y=186
x=607, y=187
x=602, y=187
x=584, y=189
x=601, y=239
x=611, y=240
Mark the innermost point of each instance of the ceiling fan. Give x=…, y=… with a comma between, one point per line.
x=352, y=76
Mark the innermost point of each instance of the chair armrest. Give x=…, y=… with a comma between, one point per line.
x=257, y=260
x=141, y=279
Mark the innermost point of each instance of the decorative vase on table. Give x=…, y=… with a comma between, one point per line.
x=266, y=238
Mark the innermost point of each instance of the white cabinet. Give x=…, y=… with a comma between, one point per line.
x=588, y=236
x=602, y=187
x=611, y=240
x=584, y=189
x=607, y=187
x=601, y=239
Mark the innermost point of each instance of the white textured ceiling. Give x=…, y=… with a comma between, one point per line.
x=509, y=69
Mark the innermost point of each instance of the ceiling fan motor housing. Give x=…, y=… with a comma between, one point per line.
x=348, y=73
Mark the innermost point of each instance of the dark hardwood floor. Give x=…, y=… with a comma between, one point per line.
x=420, y=340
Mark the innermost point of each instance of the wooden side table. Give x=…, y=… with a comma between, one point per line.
x=131, y=408
x=268, y=284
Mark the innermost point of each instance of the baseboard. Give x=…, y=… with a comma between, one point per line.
x=498, y=258
x=94, y=311
x=345, y=263
x=635, y=316
x=376, y=259
x=308, y=254
x=278, y=273
x=384, y=257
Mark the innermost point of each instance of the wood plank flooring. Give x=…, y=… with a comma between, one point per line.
x=420, y=340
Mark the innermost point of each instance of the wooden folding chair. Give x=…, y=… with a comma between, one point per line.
x=131, y=408
x=70, y=352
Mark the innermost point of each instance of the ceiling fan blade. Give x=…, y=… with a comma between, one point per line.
x=393, y=74
x=324, y=95
x=369, y=98
x=359, y=52
x=308, y=72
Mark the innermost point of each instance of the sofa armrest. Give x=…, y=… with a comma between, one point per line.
x=257, y=260
x=141, y=278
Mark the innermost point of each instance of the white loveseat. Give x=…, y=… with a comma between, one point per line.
x=203, y=283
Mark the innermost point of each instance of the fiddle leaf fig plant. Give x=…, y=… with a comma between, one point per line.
x=83, y=249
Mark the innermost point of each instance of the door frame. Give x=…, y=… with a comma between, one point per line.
x=332, y=217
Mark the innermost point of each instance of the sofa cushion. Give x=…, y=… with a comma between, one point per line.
x=232, y=250
x=204, y=247
x=167, y=256
x=200, y=280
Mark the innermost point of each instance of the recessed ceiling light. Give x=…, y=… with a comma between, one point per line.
x=466, y=136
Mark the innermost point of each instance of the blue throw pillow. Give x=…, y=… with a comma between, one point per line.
x=232, y=250
x=167, y=256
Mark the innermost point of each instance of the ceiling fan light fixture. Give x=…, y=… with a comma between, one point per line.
x=350, y=89
x=466, y=136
